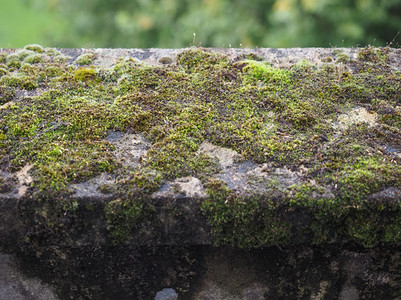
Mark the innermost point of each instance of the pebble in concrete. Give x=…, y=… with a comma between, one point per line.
x=166, y=294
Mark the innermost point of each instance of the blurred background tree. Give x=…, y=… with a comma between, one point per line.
x=217, y=23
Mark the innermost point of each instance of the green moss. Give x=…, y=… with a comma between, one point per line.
x=195, y=60
x=85, y=59
x=124, y=217
x=327, y=59
x=33, y=59
x=3, y=57
x=61, y=59
x=3, y=71
x=20, y=55
x=35, y=48
x=52, y=52
x=84, y=74
x=363, y=227
x=262, y=71
x=125, y=65
x=342, y=58
x=253, y=56
x=13, y=63
x=373, y=54
x=6, y=94
x=23, y=82
x=392, y=230
x=148, y=180
x=244, y=223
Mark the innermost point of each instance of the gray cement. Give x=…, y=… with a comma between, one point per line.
x=14, y=285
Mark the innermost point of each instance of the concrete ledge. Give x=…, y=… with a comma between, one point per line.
x=182, y=150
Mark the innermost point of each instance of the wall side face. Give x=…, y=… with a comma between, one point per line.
x=199, y=272
x=167, y=150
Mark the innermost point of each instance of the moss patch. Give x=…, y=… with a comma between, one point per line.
x=243, y=222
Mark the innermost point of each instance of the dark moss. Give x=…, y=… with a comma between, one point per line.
x=165, y=60
x=3, y=71
x=373, y=55
x=3, y=57
x=199, y=59
x=363, y=227
x=124, y=217
x=6, y=94
x=23, y=82
x=244, y=223
x=7, y=184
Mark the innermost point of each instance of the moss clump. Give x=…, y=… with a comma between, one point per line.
x=6, y=94
x=21, y=55
x=23, y=82
x=13, y=63
x=33, y=59
x=123, y=217
x=262, y=71
x=195, y=60
x=84, y=74
x=165, y=60
x=60, y=59
x=341, y=57
x=52, y=52
x=373, y=55
x=253, y=56
x=363, y=227
x=85, y=59
x=148, y=180
x=3, y=57
x=392, y=230
x=3, y=71
x=245, y=223
x=35, y=48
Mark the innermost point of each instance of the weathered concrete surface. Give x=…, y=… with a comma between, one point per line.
x=206, y=272
x=278, y=57
x=17, y=286
x=120, y=169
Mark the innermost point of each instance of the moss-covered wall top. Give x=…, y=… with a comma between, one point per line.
x=236, y=146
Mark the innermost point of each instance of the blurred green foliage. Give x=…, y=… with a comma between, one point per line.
x=224, y=23
x=22, y=24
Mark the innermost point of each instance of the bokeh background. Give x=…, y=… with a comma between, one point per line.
x=216, y=23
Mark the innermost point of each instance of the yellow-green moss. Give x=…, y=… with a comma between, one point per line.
x=23, y=82
x=84, y=74
x=35, y=48
x=33, y=59
x=85, y=59
x=262, y=71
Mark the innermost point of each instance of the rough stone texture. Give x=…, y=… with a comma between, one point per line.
x=16, y=286
x=278, y=57
x=206, y=272
x=95, y=239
